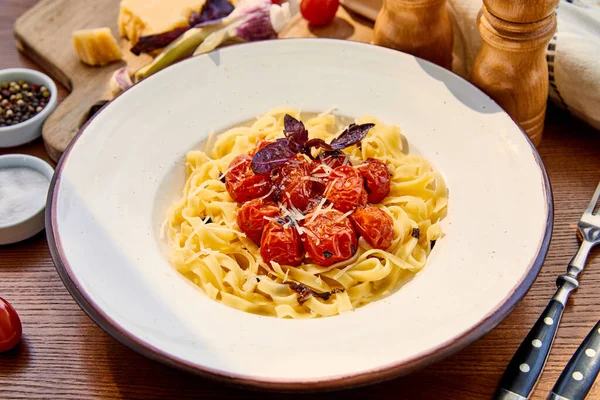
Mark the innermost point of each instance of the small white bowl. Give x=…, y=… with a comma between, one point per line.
x=34, y=223
x=24, y=132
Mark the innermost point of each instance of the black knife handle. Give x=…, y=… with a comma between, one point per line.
x=527, y=364
x=579, y=375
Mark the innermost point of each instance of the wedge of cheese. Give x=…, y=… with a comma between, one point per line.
x=148, y=17
x=96, y=46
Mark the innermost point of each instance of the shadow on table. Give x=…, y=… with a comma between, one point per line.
x=16, y=360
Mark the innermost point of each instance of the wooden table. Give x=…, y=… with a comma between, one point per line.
x=64, y=355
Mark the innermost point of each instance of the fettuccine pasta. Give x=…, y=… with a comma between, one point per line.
x=208, y=247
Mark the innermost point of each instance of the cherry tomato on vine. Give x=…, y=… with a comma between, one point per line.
x=319, y=12
x=243, y=184
x=375, y=226
x=330, y=238
x=251, y=217
x=346, y=189
x=10, y=326
x=281, y=244
x=377, y=179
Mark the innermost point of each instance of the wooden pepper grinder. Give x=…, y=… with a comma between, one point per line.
x=418, y=27
x=511, y=64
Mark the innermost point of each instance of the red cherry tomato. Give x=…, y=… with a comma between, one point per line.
x=377, y=179
x=375, y=226
x=281, y=244
x=333, y=159
x=292, y=182
x=10, y=326
x=261, y=145
x=346, y=189
x=329, y=238
x=251, y=217
x=243, y=184
x=319, y=12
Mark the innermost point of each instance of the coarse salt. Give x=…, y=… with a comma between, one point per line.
x=23, y=192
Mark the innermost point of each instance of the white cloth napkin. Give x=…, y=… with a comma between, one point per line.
x=573, y=53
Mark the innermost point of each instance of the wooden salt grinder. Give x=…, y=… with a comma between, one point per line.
x=418, y=27
x=511, y=64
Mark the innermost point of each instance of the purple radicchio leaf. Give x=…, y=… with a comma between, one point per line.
x=257, y=23
x=272, y=156
x=149, y=43
x=352, y=135
x=213, y=11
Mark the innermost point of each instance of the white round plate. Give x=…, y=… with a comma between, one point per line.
x=114, y=182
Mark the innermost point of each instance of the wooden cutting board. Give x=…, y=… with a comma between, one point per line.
x=44, y=34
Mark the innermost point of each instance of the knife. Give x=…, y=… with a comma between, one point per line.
x=579, y=375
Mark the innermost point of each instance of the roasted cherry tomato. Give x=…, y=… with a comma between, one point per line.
x=346, y=189
x=243, y=184
x=261, y=145
x=333, y=159
x=377, y=179
x=281, y=244
x=293, y=184
x=329, y=238
x=251, y=217
x=10, y=326
x=319, y=12
x=375, y=226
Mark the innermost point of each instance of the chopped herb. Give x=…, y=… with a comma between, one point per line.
x=416, y=233
x=304, y=293
x=327, y=254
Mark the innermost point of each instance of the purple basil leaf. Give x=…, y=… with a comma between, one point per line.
x=147, y=44
x=318, y=144
x=213, y=9
x=271, y=156
x=352, y=135
x=294, y=130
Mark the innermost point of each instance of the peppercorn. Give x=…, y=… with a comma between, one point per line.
x=21, y=100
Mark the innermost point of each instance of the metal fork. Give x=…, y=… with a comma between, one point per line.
x=527, y=364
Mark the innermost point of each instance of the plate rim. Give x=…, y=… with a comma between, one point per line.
x=386, y=372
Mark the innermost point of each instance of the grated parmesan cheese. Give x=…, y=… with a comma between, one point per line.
x=341, y=217
x=268, y=194
x=317, y=210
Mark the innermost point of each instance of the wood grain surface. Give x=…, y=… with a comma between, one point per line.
x=64, y=355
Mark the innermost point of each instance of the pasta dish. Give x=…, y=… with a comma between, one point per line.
x=300, y=218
